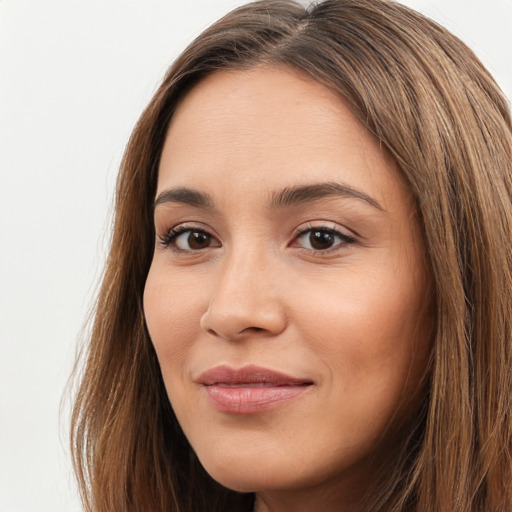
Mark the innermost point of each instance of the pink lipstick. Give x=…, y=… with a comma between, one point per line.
x=250, y=389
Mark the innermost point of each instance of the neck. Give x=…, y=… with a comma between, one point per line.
x=327, y=498
x=272, y=503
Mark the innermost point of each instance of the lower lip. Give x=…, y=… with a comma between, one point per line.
x=249, y=400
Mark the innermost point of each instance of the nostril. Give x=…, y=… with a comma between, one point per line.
x=253, y=329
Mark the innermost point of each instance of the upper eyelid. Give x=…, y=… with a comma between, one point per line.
x=326, y=225
x=186, y=226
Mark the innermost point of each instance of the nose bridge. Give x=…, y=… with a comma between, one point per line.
x=245, y=298
x=244, y=266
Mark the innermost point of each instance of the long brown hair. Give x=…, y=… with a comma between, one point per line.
x=433, y=106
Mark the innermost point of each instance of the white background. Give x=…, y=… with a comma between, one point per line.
x=74, y=77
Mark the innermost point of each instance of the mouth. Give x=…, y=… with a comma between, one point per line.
x=250, y=389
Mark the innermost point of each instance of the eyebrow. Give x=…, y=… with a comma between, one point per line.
x=186, y=196
x=289, y=196
x=304, y=193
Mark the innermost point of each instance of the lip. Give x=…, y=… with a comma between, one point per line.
x=250, y=389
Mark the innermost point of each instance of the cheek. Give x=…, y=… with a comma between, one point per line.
x=368, y=329
x=172, y=308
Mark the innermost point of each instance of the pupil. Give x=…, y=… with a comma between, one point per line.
x=321, y=239
x=198, y=240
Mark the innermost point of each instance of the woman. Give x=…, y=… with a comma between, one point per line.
x=307, y=300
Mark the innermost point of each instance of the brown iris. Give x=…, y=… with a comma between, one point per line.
x=199, y=240
x=321, y=239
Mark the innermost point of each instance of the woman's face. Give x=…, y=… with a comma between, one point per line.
x=286, y=297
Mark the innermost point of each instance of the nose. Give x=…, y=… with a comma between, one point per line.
x=246, y=300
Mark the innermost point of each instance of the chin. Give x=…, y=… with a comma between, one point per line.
x=241, y=475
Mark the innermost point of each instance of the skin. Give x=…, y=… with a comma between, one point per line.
x=348, y=315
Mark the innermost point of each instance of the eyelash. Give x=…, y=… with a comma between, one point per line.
x=344, y=239
x=168, y=240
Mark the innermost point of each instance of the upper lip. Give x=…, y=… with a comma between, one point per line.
x=250, y=374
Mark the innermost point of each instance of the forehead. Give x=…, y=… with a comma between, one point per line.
x=265, y=128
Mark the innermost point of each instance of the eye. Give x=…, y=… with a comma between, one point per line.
x=322, y=239
x=188, y=239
